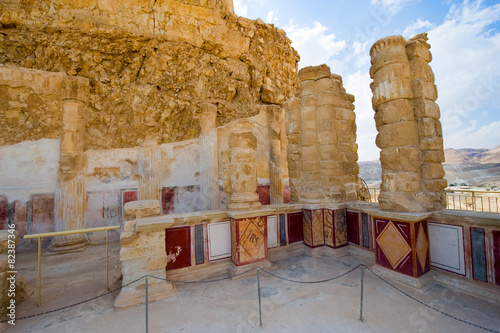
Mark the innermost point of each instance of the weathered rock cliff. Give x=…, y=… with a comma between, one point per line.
x=151, y=65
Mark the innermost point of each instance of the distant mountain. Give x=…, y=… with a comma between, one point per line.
x=471, y=156
x=475, y=167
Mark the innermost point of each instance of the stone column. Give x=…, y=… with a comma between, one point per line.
x=70, y=192
x=429, y=127
x=275, y=165
x=209, y=164
x=149, y=170
x=243, y=171
x=396, y=123
x=407, y=118
x=292, y=113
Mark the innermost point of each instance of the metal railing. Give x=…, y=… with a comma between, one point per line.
x=462, y=199
x=63, y=233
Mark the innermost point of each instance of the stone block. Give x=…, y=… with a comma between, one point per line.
x=326, y=125
x=345, y=114
x=427, y=127
x=349, y=168
x=415, y=49
x=310, y=153
x=435, y=143
x=431, y=171
x=398, y=69
x=308, y=126
x=77, y=88
x=308, y=113
x=420, y=69
x=425, y=108
x=309, y=139
x=394, y=111
x=314, y=72
x=387, y=51
x=308, y=101
x=310, y=166
x=424, y=89
x=327, y=98
x=242, y=156
x=400, y=182
x=391, y=89
x=434, y=156
x=308, y=88
x=324, y=84
x=434, y=184
x=325, y=112
x=327, y=138
x=406, y=159
x=328, y=152
x=244, y=186
x=139, y=209
x=399, y=134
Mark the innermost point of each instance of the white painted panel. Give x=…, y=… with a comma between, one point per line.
x=272, y=232
x=447, y=247
x=219, y=240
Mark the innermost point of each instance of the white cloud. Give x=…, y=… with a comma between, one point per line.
x=392, y=5
x=272, y=17
x=416, y=28
x=314, y=44
x=465, y=63
x=240, y=9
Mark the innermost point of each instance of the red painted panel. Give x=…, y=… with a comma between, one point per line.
x=496, y=256
x=128, y=196
x=295, y=229
x=4, y=212
x=286, y=194
x=406, y=265
x=421, y=271
x=21, y=217
x=178, y=247
x=167, y=200
x=264, y=193
x=353, y=227
x=43, y=213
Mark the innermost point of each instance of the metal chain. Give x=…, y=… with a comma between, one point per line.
x=205, y=281
x=75, y=304
x=430, y=307
x=312, y=282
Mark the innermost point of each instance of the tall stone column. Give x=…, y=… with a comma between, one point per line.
x=407, y=119
x=429, y=127
x=209, y=164
x=293, y=155
x=149, y=170
x=70, y=192
x=275, y=165
x=396, y=123
x=243, y=171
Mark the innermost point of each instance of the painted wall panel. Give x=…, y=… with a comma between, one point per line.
x=496, y=256
x=353, y=227
x=272, y=232
x=295, y=229
x=43, y=213
x=199, y=244
x=282, y=230
x=447, y=247
x=178, y=247
x=264, y=192
x=366, y=235
x=219, y=240
x=4, y=212
x=479, y=270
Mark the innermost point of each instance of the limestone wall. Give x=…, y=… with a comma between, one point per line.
x=321, y=131
x=407, y=119
x=151, y=65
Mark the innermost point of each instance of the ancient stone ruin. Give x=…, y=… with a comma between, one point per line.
x=193, y=130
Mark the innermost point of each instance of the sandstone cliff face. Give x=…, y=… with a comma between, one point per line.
x=151, y=65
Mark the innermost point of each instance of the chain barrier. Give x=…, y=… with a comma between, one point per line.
x=313, y=282
x=428, y=306
x=75, y=304
x=205, y=281
x=274, y=275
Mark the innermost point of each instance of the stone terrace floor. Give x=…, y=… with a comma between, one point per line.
x=232, y=306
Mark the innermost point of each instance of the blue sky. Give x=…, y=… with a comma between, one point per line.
x=465, y=43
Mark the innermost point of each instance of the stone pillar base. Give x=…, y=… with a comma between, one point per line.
x=423, y=282
x=68, y=244
x=133, y=296
x=236, y=271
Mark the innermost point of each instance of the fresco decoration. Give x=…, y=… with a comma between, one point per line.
x=353, y=227
x=178, y=247
x=249, y=243
x=295, y=229
x=479, y=266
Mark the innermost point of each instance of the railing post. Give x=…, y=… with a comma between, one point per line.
x=146, y=289
x=39, y=272
x=474, y=208
x=361, y=301
x=107, y=264
x=258, y=292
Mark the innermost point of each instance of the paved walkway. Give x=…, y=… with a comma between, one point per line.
x=232, y=305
